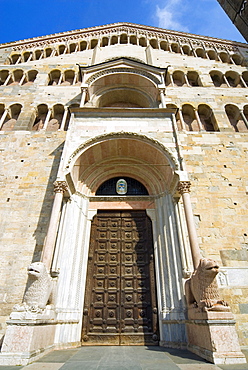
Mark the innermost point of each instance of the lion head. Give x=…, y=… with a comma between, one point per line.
x=208, y=267
x=36, y=269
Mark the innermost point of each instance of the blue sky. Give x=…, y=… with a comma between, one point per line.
x=22, y=19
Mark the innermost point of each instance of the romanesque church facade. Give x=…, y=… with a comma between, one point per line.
x=124, y=161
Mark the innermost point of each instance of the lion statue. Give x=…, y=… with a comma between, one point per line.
x=201, y=289
x=39, y=290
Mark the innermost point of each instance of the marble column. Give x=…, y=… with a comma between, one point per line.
x=244, y=118
x=5, y=113
x=84, y=92
x=47, y=255
x=48, y=116
x=162, y=97
x=183, y=124
x=184, y=190
x=62, y=126
x=201, y=127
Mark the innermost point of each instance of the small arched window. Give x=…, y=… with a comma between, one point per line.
x=212, y=55
x=175, y=48
x=72, y=48
x=83, y=45
x=178, y=78
x=12, y=117
x=237, y=59
x=15, y=58
x=93, y=43
x=233, y=78
x=128, y=186
x=190, y=118
x=105, y=41
x=42, y=111
x=3, y=76
x=143, y=42
x=69, y=78
x=193, y=78
x=245, y=78
x=54, y=77
x=186, y=50
x=133, y=40
x=114, y=40
x=200, y=53
x=26, y=56
x=206, y=117
x=30, y=77
x=123, y=38
x=224, y=57
x=217, y=78
x=235, y=118
x=48, y=52
x=38, y=54
x=154, y=43
x=62, y=49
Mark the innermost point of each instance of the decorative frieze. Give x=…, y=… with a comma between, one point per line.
x=149, y=32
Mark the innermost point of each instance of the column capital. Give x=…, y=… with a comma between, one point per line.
x=183, y=187
x=84, y=87
x=60, y=186
x=162, y=90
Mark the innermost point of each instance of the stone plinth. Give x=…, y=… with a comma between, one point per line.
x=27, y=340
x=212, y=335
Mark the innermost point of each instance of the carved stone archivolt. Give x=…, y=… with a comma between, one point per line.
x=171, y=158
x=183, y=187
x=122, y=70
x=60, y=187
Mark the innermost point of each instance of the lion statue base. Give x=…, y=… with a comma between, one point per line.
x=201, y=290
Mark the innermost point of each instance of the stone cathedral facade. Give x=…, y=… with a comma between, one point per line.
x=124, y=161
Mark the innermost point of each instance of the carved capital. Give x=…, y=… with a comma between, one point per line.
x=183, y=187
x=84, y=89
x=60, y=186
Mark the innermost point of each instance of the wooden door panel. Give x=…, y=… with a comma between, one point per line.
x=120, y=303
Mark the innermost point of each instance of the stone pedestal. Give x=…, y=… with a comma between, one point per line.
x=212, y=335
x=28, y=337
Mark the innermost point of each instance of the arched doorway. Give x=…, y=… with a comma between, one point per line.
x=121, y=156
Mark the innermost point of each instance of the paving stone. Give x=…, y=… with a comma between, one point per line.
x=43, y=366
x=59, y=356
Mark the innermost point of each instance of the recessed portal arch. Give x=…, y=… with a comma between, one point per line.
x=123, y=154
x=123, y=87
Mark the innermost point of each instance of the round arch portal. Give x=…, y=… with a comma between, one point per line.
x=123, y=154
x=123, y=87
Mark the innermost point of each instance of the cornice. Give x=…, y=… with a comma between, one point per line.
x=118, y=27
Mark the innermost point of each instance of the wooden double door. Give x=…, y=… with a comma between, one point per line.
x=120, y=302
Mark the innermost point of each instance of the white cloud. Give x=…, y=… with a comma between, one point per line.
x=169, y=16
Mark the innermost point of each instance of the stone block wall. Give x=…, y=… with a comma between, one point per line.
x=217, y=167
x=29, y=168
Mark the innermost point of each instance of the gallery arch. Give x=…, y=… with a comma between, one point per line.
x=147, y=162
